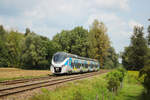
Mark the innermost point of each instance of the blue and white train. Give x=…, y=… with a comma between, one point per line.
x=69, y=63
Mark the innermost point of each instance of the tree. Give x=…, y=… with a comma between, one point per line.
x=73, y=41
x=145, y=72
x=14, y=46
x=126, y=61
x=3, y=50
x=64, y=40
x=148, y=37
x=34, y=52
x=79, y=41
x=134, y=55
x=115, y=79
x=37, y=52
x=98, y=41
x=27, y=31
x=111, y=60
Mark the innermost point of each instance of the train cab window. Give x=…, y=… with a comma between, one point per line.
x=59, y=57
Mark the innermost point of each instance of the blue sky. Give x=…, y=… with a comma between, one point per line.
x=47, y=17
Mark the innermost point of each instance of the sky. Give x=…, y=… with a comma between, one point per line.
x=48, y=17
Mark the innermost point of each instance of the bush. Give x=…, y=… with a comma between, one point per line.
x=115, y=79
x=145, y=72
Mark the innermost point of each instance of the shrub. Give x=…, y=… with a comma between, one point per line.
x=145, y=72
x=115, y=79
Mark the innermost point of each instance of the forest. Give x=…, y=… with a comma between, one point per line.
x=32, y=51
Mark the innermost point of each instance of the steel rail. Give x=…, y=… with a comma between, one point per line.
x=31, y=86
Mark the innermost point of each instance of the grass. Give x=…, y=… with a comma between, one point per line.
x=94, y=89
x=15, y=73
x=132, y=89
x=130, y=92
x=87, y=89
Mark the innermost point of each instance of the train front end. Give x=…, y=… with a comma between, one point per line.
x=59, y=63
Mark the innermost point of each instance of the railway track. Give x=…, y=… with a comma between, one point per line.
x=11, y=82
x=43, y=83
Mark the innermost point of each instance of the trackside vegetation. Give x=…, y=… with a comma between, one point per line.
x=136, y=56
x=115, y=79
x=95, y=88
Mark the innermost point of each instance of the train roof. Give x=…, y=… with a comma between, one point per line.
x=76, y=56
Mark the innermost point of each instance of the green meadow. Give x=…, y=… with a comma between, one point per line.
x=94, y=89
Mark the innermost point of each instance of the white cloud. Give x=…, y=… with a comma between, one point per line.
x=47, y=17
x=52, y=8
x=117, y=28
x=123, y=4
x=114, y=22
x=133, y=23
x=59, y=12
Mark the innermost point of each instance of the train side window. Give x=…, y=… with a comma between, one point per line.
x=91, y=65
x=82, y=65
x=75, y=65
x=86, y=65
x=79, y=64
x=72, y=64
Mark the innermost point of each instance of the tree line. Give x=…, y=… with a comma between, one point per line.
x=30, y=50
x=136, y=56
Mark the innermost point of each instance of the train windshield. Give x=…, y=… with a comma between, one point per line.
x=59, y=57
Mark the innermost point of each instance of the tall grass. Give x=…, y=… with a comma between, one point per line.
x=87, y=89
x=94, y=89
x=132, y=87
